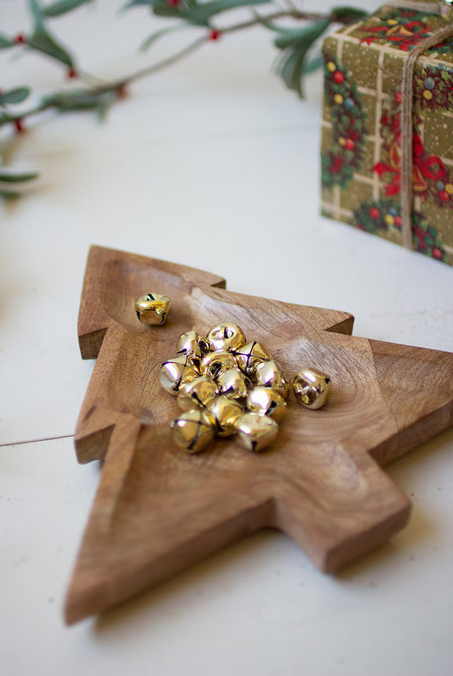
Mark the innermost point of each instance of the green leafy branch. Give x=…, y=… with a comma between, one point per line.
x=296, y=47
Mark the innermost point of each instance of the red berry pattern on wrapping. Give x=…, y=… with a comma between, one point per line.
x=345, y=153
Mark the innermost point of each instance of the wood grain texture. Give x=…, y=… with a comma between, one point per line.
x=159, y=510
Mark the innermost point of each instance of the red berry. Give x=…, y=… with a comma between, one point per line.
x=444, y=196
x=19, y=126
x=173, y=3
x=417, y=146
x=398, y=221
x=336, y=166
x=71, y=73
x=122, y=91
x=350, y=144
x=338, y=77
x=214, y=35
x=437, y=253
x=399, y=97
x=19, y=39
x=374, y=213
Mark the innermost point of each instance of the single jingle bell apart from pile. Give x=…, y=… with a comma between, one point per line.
x=152, y=309
x=225, y=385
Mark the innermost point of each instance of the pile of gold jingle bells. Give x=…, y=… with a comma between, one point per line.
x=226, y=385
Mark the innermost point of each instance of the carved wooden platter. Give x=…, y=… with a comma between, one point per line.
x=159, y=510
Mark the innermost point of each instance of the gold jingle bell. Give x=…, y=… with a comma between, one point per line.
x=191, y=343
x=177, y=372
x=226, y=337
x=312, y=388
x=256, y=431
x=267, y=402
x=193, y=430
x=215, y=363
x=270, y=374
x=251, y=355
x=234, y=384
x=153, y=309
x=200, y=392
x=225, y=413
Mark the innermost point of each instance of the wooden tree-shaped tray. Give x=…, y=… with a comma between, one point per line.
x=159, y=510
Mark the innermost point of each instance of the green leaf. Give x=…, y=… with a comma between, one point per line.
x=295, y=44
x=201, y=13
x=305, y=35
x=316, y=62
x=5, y=42
x=158, y=34
x=36, y=12
x=43, y=42
x=291, y=69
x=63, y=6
x=5, y=119
x=16, y=95
x=75, y=100
x=346, y=12
x=272, y=26
x=9, y=194
x=104, y=104
x=141, y=3
x=5, y=177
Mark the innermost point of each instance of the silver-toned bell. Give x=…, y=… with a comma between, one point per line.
x=215, y=363
x=234, y=384
x=270, y=374
x=226, y=337
x=267, y=402
x=193, y=430
x=312, y=388
x=153, y=309
x=225, y=413
x=177, y=372
x=256, y=431
x=198, y=393
x=251, y=355
x=191, y=343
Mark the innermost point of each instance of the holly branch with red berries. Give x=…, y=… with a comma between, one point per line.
x=296, y=45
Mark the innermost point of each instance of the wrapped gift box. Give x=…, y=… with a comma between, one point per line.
x=361, y=135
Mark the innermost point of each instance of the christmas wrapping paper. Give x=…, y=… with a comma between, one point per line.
x=361, y=139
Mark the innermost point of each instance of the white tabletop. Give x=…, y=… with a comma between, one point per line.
x=213, y=164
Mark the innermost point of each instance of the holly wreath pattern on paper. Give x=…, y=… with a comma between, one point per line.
x=433, y=90
x=384, y=215
x=345, y=153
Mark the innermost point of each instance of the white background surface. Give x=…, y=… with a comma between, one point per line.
x=211, y=156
